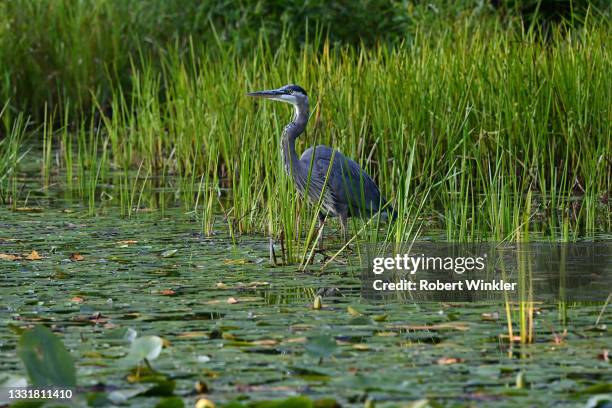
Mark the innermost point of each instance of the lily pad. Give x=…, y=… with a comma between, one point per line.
x=47, y=361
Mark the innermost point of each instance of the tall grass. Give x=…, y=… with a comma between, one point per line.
x=457, y=126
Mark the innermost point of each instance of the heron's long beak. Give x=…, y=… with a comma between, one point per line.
x=273, y=93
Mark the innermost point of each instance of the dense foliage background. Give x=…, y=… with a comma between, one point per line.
x=52, y=51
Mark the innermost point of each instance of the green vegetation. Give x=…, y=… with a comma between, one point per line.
x=480, y=121
x=233, y=328
x=474, y=127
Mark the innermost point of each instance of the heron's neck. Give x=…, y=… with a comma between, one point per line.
x=294, y=129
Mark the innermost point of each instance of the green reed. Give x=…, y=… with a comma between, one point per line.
x=457, y=127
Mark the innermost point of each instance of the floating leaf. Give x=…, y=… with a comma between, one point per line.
x=235, y=261
x=292, y=402
x=171, y=402
x=167, y=292
x=76, y=257
x=169, y=253
x=449, y=360
x=489, y=317
x=47, y=361
x=9, y=257
x=127, y=242
x=320, y=346
x=353, y=312
x=148, y=347
x=360, y=321
x=29, y=209
x=380, y=318
x=33, y=256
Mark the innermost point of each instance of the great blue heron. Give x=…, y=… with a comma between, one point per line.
x=344, y=190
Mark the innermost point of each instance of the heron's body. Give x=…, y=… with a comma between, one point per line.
x=323, y=174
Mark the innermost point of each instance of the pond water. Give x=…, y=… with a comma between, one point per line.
x=231, y=321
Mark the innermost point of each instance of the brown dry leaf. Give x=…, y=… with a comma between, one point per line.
x=29, y=209
x=77, y=299
x=127, y=242
x=265, y=342
x=9, y=257
x=361, y=347
x=75, y=257
x=167, y=292
x=296, y=340
x=514, y=339
x=192, y=334
x=232, y=300
x=433, y=327
x=449, y=360
x=489, y=317
x=221, y=285
x=604, y=355
x=34, y=256
x=235, y=261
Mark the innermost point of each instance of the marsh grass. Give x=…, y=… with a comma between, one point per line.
x=479, y=130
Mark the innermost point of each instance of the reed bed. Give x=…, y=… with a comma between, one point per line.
x=476, y=129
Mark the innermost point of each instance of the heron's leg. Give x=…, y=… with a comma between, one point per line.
x=344, y=226
x=322, y=217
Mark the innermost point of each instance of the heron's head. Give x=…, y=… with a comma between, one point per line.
x=293, y=94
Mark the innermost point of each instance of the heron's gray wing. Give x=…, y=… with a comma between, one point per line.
x=348, y=185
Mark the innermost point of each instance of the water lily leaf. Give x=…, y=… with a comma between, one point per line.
x=171, y=402
x=161, y=389
x=601, y=388
x=353, y=312
x=326, y=403
x=169, y=253
x=321, y=346
x=380, y=318
x=293, y=402
x=148, y=347
x=47, y=361
x=423, y=403
x=360, y=321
